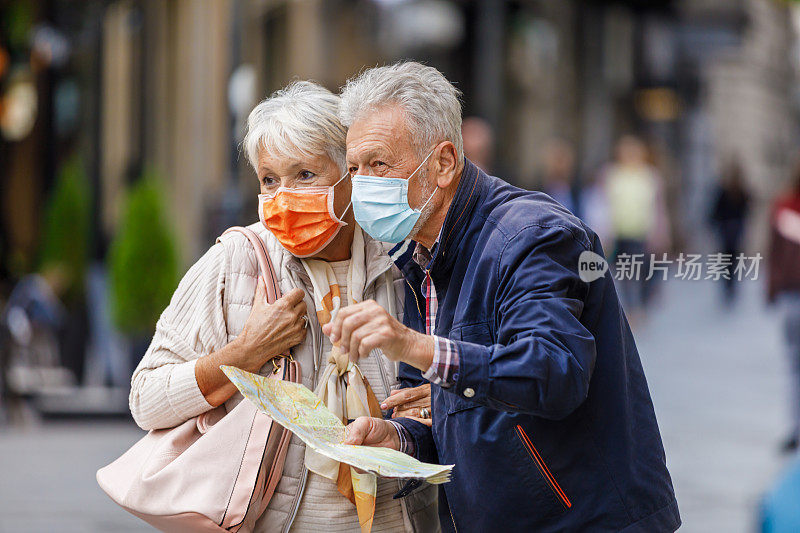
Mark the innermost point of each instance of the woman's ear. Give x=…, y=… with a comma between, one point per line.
x=445, y=164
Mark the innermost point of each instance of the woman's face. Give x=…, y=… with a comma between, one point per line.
x=303, y=171
x=318, y=171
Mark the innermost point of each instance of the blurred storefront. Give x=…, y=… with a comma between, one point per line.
x=136, y=84
x=164, y=87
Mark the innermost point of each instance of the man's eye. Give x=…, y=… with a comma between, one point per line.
x=352, y=170
x=267, y=181
x=307, y=174
x=378, y=164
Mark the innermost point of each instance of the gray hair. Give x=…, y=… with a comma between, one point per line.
x=300, y=119
x=431, y=103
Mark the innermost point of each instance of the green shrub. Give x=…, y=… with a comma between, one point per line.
x=143, y=260
x=65, y=231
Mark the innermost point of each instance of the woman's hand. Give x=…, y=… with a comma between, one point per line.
x=271, y=329
x=409, y=402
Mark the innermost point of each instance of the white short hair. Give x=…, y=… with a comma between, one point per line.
x=431, y=103
x=299, y=120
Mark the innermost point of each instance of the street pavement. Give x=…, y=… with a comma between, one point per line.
x=719, y=382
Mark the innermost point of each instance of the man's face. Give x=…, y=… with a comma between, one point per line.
x=379, y=144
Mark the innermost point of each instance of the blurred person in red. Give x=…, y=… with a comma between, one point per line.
x=633, y=190
x=728, y=216
x=783, y=286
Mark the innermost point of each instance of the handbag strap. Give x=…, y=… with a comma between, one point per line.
x=271, y=284
x=287, y=369
x=264, y=263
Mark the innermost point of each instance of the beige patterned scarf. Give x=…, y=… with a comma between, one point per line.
x=342, y=387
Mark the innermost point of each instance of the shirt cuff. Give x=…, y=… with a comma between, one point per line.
x=444, y=368
x=406, y=442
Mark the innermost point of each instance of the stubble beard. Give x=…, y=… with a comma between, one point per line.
x=427, y=190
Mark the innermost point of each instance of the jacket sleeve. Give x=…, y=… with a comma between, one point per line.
x=408, y=376
x=544, y=356
x=422, y=435
x=164, y=390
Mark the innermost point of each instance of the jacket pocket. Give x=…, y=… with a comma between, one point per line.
x=537, y=460
x=476, y=333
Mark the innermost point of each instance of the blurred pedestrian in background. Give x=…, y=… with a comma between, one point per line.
x=30, y=328
x=559, y=178
x=784, y=287
x=728, y=216
x=479, y=142
x=637, y=214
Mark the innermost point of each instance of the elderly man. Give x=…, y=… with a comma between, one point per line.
x=539, y=398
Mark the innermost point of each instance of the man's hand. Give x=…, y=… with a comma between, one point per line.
x=408, y=403
x=369, y=431
x=358, y=329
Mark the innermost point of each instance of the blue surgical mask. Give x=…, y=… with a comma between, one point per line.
x=380, y=206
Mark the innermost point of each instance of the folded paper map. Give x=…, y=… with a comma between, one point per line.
x=299, y=410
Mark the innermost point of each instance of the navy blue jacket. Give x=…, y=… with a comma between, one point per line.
x=549, y=423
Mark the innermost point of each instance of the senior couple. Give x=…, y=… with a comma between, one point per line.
x=460, y=300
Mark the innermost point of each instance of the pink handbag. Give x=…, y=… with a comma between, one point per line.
x=214, y=472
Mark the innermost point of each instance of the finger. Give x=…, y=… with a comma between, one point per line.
x=367, y=344
x=356, y=432
x=427, y=421
x=350, y=325
x=300, y=309
x=419, y=402
x=405, y=412
x=401, y=396
x=358, y=335
x=293, y=297
x=261, y=292
x=334, y=329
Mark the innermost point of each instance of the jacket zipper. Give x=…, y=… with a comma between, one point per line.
x=317, y=341
x=387, y=388
x=540, y=464
x=296, y=503
x=453, y=518
x=415, y=298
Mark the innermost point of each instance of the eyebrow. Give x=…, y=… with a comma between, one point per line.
x=370, y=154
x=294, y=167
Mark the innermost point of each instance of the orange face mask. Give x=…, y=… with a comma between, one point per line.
x=302, y=219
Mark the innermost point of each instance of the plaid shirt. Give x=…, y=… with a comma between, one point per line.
x=443, y=371
x=444, y=368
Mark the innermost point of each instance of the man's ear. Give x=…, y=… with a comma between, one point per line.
x=445, y=164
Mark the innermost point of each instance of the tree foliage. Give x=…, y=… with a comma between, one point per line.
x=143, y=260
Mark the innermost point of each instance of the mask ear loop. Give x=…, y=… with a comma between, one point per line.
x=330, y=204
x=437, y=187
x=428, y=200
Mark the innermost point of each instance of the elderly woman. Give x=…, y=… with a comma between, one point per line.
x=219, y=315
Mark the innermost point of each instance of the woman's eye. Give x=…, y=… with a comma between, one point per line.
x=267, y=181
x=306, y=175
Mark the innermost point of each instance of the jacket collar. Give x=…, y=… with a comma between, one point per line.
x=455, y=226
